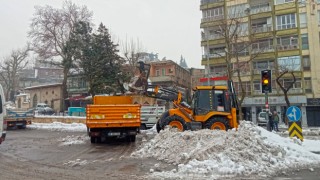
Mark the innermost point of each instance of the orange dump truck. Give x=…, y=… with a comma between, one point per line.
x=113, y=116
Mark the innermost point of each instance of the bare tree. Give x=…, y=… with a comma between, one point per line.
x=50, y=30
x=132, y=53
x=284, y=70
x=10, y=68
x=238, y=43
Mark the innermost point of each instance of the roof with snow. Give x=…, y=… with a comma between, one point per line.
x=43, y=86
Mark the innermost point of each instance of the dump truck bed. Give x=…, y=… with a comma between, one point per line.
x=113, y=116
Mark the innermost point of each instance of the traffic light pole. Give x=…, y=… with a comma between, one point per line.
x=267, y=110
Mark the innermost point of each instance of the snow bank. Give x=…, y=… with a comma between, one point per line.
x=58, y=126
x=71, y=140
x=214, y=154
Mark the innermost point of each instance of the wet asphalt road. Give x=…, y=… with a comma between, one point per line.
x=39, y=154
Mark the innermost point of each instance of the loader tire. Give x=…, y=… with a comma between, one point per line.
x=160, y=122
x=158, y=127
x=175, y=122
x=219, y=123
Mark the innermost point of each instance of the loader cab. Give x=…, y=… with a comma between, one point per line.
x=208, y=98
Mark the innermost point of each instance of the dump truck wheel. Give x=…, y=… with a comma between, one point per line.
x=218, y=123
x=131, y=138
x=175, y=122
x=93, y=140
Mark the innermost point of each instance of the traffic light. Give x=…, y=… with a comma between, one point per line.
x=266, y=81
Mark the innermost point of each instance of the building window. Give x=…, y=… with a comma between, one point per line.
x=265, y=45
x=292, y=63
x=303, y=20
x=262, y=65
x=163, y=72
x=218, y=70
x=46, y=92
x=237, y=10
x=306, y=63
x=282, y=1
x=240, y=30
x=307, y=85
x=243, y=67
x=256, y=86
x=52, y=92
x=246, y=86
x=286, y=21
x=287, y=43
x=157, y=72
x=212, y=14
x=304, y=39
x=287, y=82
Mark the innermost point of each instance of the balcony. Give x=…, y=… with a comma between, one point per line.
x=213, y=37
x=295, y=91
x=260, y=8
x=215, y=55
x=262, y=49
x=281, y=47
x=210, y=1
x=287, y=26
x=261, y=28
x=213, y=18
x=258, y=71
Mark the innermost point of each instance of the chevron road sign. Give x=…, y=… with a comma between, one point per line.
x=295, y=130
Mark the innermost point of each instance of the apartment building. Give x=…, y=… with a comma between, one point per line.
x=285, y=33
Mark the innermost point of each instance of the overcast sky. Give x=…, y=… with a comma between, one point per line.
x=168, y=27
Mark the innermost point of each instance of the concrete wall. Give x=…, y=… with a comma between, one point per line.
x=63, y=119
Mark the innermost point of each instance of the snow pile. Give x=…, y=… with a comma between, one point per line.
x=77, y=162
x=310, y=132
x=71, y=140
x=58, y=126
x=305, y=132
x=57, y=116
x=214, y=154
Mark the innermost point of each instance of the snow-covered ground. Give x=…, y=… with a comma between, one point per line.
x=58, y=126
x=249, y=151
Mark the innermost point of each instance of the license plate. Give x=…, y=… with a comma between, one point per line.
x=114, y=134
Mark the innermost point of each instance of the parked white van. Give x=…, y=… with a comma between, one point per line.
x=3, y=124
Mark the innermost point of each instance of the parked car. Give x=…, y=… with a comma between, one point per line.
x=262, y=121
x=43, y=108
